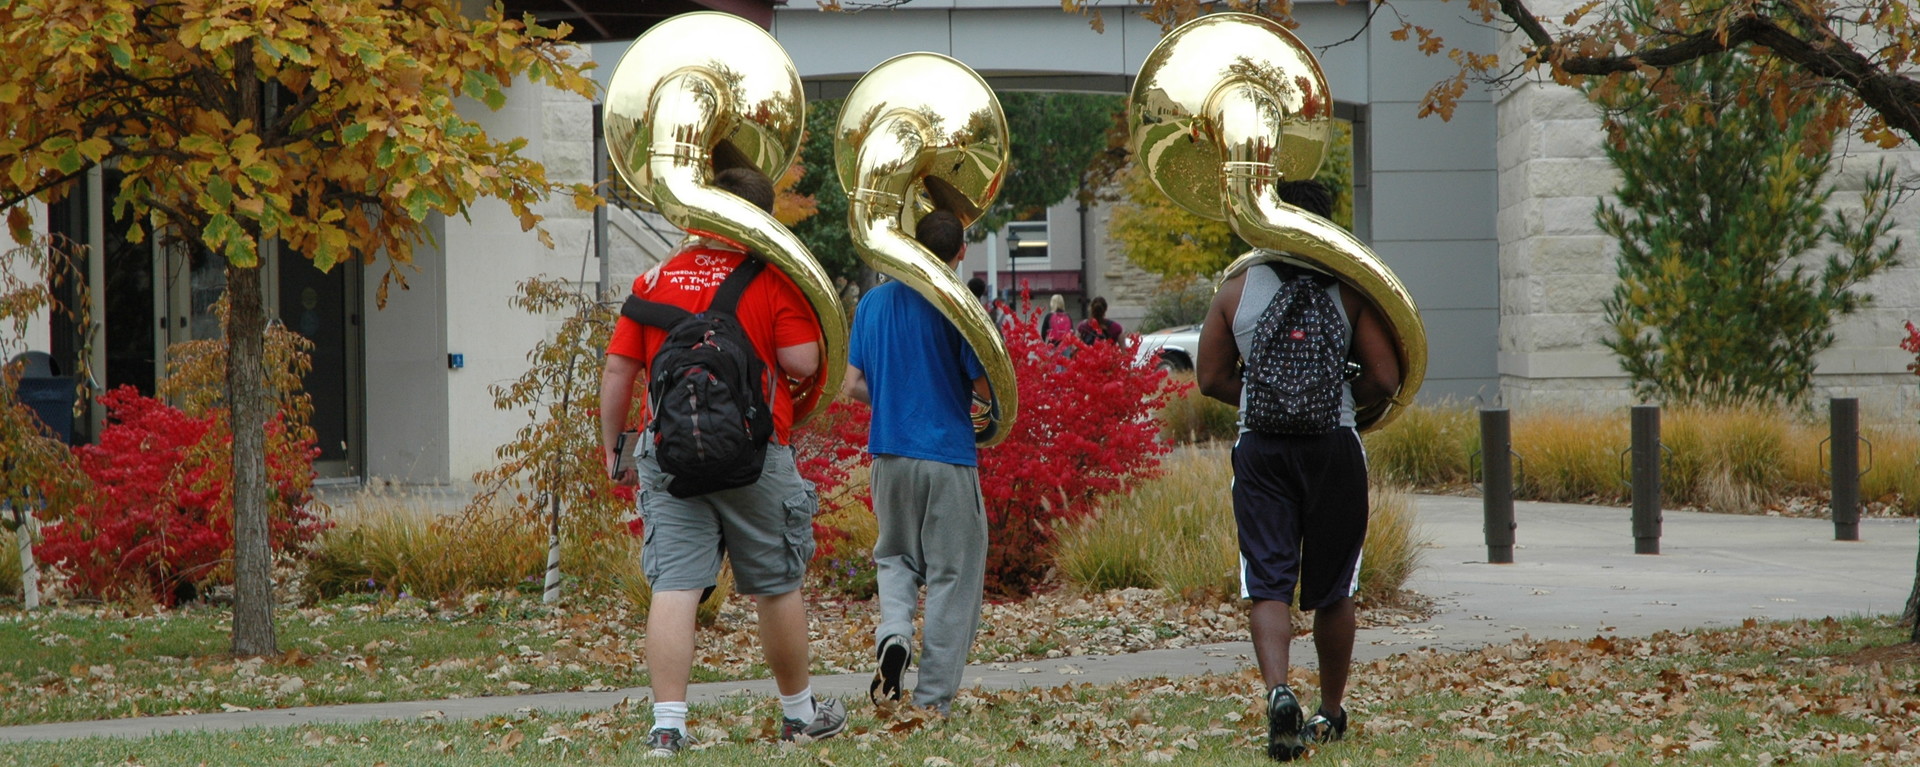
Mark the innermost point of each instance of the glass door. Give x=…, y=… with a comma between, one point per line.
x=325, y=307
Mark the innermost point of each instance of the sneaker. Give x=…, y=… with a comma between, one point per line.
x=1283, y=725
x=829, y=718
x=665, y=742
x=1323, y=728
x=894, y=657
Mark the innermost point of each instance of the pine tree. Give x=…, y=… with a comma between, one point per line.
x=1732, y=271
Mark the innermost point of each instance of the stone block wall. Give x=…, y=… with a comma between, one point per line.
x=1556, y=267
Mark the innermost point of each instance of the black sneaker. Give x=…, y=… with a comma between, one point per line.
x=665, y=742
x=894, y=657
x=1283, y=725
x=1323, y=728
x=829, y=718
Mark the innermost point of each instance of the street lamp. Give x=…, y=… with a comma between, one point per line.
x=1013, y=268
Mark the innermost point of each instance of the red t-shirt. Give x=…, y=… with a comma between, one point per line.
x=773, y=311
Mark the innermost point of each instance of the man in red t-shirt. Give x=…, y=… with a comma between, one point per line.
x=766, y=527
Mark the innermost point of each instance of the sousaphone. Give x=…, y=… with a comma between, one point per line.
x=922, y=132
x=1226, y=107
x=701, y=93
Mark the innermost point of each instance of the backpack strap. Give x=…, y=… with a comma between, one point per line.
x=725, y=299
x=735, y=285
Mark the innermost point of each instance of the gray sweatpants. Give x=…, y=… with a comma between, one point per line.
x=933, y=531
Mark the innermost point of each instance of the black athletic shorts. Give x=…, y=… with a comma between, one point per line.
x=1301, y=505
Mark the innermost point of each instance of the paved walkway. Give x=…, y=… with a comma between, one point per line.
x=1575, y=575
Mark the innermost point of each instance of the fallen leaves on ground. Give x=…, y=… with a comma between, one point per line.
x=524, y=646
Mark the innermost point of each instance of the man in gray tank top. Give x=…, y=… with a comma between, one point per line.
x=1299, y=500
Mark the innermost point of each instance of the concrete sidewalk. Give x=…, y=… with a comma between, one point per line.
x=1575, y=575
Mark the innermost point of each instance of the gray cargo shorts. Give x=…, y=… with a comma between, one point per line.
x=765, y=528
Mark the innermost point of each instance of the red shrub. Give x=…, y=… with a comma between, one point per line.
x=1912, y=343
x=159, y=518
x=826, y=450
x=1085, y=430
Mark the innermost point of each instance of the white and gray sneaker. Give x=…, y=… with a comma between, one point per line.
x=665, y=742
x=829, y=718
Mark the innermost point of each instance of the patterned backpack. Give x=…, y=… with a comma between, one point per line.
x=1293, y=373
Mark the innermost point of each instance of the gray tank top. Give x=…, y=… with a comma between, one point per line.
x=1259, y=289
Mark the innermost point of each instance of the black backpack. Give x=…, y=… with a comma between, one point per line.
x=1294, y=370
x=707, y=388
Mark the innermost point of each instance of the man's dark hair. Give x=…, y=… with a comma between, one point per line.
x=1099, y=308
x=941, y=232
x=978, y=286
x=747, y=184
x=1309, y=195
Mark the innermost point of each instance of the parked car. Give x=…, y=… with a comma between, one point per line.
x=1170, y=348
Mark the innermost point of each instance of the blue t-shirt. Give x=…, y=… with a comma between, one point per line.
x=920, y=373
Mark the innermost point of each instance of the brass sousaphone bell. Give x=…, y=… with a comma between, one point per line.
x=1224, y=108
x=703, y=92
x=922, y=132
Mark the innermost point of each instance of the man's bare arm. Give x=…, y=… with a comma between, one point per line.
x=616, y=398
x=800, y=361
x=1217, y=368
x=1379, y=360
x=855, y=385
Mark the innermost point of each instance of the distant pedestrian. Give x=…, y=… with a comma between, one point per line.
x=1056, y=325
x=1299, y=475
x=1098, y=328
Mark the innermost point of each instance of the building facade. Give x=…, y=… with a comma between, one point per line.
x=1486, y=217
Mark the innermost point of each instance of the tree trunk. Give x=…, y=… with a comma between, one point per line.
x=29, y=569
x=253, y=632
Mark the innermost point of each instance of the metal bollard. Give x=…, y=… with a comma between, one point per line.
x=1845, y=446
x=1496, y=451
x=1646, y=479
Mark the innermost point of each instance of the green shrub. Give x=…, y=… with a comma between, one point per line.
x=1177, y=533
x=1177, y=302
x=1425, y=446
x=1191, y=417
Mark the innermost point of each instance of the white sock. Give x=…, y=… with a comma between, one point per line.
x=798, y=705
x=670, y=715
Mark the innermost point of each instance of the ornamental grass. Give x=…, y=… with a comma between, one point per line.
x=1177, y=533
x=9, y=566
x=1735, y=460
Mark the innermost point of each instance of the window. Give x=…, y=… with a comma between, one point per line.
x=1027, y=241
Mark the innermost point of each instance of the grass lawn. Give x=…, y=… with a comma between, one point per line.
x=1817, y=693
x=70, y=665
x=73, y=664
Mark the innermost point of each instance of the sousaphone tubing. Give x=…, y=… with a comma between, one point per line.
x=1225, y=108
x=701, y=93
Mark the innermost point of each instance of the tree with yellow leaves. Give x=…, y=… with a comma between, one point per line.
x=328, y=127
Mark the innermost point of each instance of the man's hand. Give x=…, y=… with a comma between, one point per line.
x=627, y=477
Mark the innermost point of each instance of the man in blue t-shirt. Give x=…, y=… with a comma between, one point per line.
x=923, y=381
